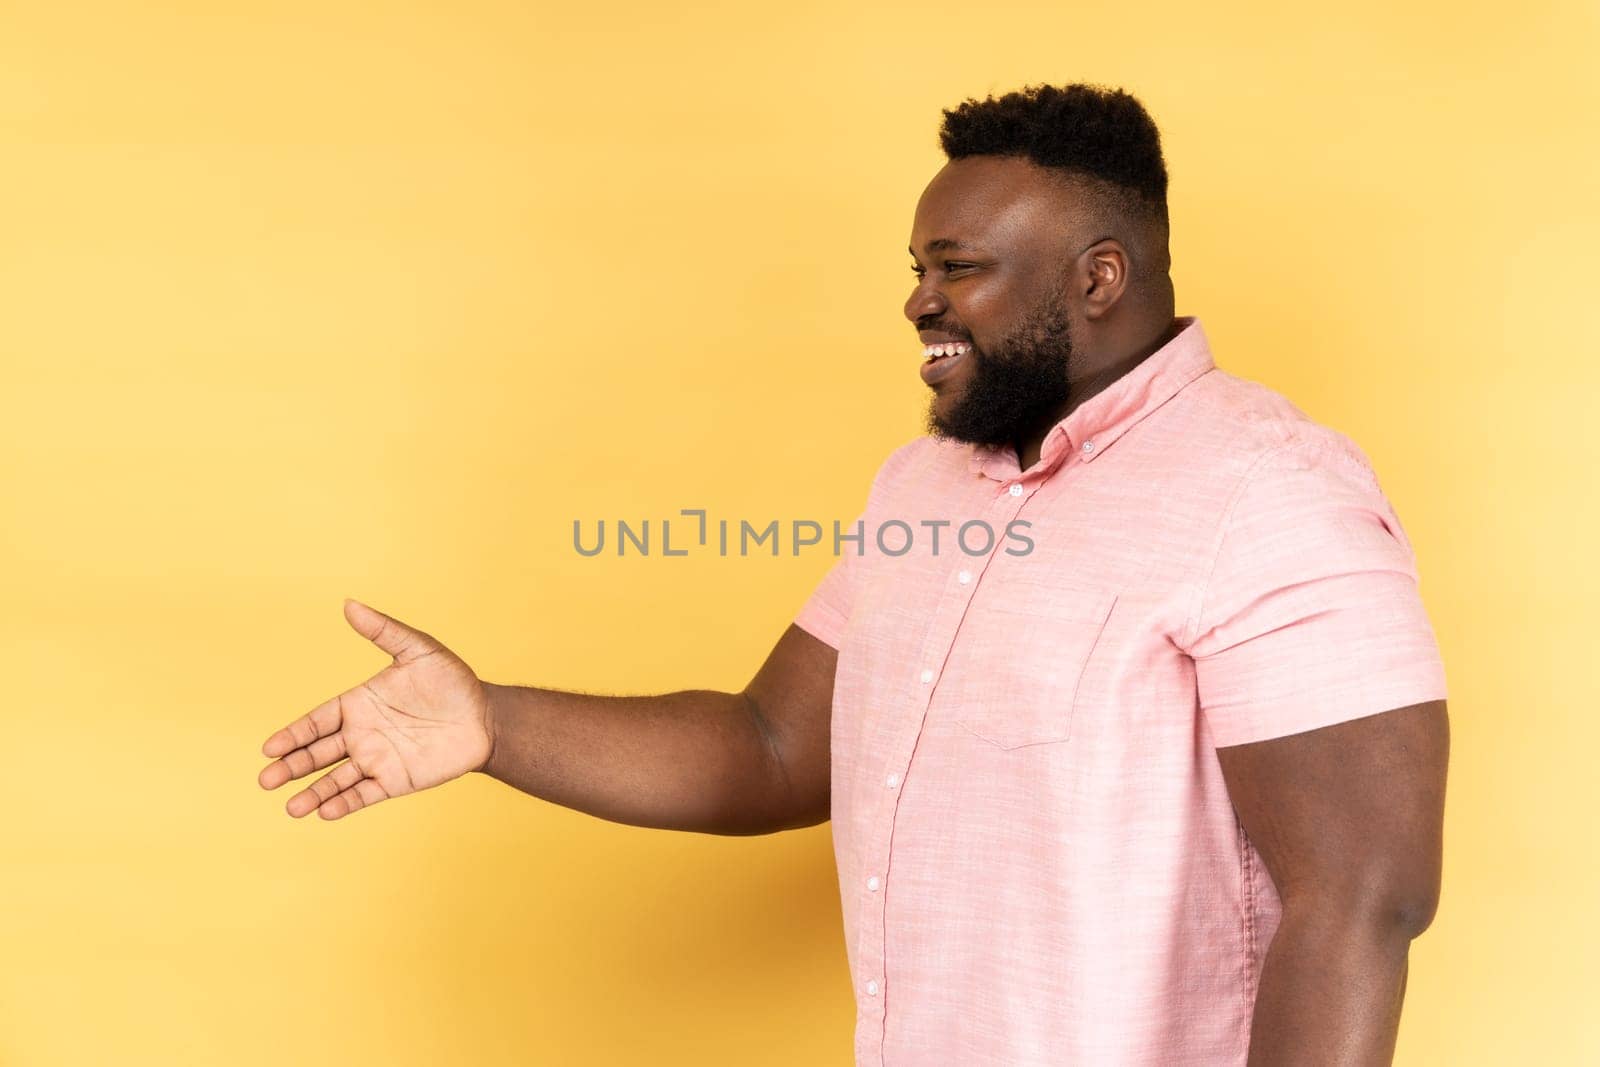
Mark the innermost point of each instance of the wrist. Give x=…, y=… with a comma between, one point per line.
x=491, y=702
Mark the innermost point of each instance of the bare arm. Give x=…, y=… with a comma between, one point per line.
x=750, y=762
x=1349, y=821
x=711, y=762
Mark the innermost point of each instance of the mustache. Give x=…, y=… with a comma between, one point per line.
x=939, y=327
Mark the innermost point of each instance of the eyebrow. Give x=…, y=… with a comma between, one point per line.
x=943, y=244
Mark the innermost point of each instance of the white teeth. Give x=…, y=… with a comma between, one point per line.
x=940, y=350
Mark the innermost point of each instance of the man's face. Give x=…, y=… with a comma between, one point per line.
x=990, y=241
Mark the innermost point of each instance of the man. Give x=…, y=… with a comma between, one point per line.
x=1120, y=794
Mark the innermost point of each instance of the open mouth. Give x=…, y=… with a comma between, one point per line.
x=934, y=353
x=939, y=360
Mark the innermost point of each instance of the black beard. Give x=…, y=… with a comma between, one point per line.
x=1018, y=389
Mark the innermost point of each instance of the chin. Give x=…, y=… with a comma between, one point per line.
x=941, y=429
x=938, y=409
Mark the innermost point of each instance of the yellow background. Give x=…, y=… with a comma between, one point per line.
x=308, y=300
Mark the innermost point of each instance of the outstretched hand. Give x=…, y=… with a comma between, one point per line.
x=420, y=722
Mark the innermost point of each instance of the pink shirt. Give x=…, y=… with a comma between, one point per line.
x=1038, y=860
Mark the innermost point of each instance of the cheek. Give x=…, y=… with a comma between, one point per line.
x=985, y=312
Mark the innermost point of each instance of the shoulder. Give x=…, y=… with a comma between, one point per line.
x=922, y=462
x=1255, y=430
x=1296, y=486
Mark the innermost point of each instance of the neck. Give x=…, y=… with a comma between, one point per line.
x=1104, y=370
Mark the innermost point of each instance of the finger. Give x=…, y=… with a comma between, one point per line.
x=363, y=794
x=389, y=634
x=323, y=789
x=302, y=761
x=321, y=721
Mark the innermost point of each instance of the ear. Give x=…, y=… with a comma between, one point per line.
x=1103, y=273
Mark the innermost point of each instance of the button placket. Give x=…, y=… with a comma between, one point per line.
x=872, y=948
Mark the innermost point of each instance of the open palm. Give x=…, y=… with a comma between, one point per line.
x=418, y=723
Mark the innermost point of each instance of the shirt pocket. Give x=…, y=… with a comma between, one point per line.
x=1039, y=642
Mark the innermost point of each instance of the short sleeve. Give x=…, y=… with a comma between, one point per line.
x=827, y=610
x=1311, y=614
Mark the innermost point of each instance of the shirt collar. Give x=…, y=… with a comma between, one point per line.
x=1097, y=423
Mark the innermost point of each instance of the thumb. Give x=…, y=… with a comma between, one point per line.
x=391, y=635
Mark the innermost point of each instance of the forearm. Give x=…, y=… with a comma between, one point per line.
x=695, y=760
x=1331, y=989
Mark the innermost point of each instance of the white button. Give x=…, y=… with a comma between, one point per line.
x=872, y=988
x=892, y=781
x=1088, y=447
x=964, y=577
x=1016, y=488
x=927, y=676
x=872, y=883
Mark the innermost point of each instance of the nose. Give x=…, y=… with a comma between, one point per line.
x=925, y=300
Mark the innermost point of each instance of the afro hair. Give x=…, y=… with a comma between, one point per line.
x=1081, y=130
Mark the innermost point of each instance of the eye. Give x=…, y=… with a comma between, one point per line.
x=948, y=268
